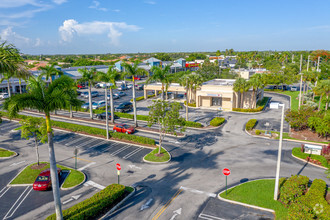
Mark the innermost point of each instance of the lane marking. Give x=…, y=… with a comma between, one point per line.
x=209, y=217
x=6, y=216
x=88, y=165
x=132, y=153
x=167, y=204
x=14, y=164
x=198, y=191
x=92, y=183
x=67, y=201
x=120, y=150
x=78, y=158
x=7, y=188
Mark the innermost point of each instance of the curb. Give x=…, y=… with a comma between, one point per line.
x=14, y=185
x=15, y=154
x=85, y=177
x=244, y=204
x=151, y=162
x=309, y=162
x=119, y=204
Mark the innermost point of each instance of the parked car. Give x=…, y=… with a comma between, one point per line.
x=124, y=107
x=122, y=87
x=294, y=88
x=120, y=94
x=129, y=86
x=114, y=96
x=86, y=105
x=43, y=181
x=4, y=95
x=93, y=94
x=124, y=128
x=137, y=77
x=79, y=93
x=81, y=86
x=83, y=94
x=99, y=104
x=139, y=86
x=103, y=114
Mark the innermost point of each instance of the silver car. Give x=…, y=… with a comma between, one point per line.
x=97, y=105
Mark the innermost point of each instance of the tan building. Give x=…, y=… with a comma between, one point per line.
x=213, y=94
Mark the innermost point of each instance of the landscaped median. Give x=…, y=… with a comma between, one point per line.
x=317, y=159
x=153, y=156
x=217, y=121
x=30, y=173
x=6, y=153
x=98, y=205
x=260, y=106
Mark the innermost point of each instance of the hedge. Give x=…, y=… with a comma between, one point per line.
x=217, y=121
x=258, y=132
x=190, y=104
x=142, y=98
x=193, y=124
x=261, y=105
x=250, y=124
x=312, y=205
x=297, y=152
x=94, y=206
x=293, y=188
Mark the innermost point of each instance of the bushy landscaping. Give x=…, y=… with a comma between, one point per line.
x=293, y=188
x=192, y=124
x=153, y=158
x=260, y=106
x=250, y=124
x=190, y=104
x=6, y=153
x=297, y=152
x=97, y=205
x=142, y=97
x=217, y=121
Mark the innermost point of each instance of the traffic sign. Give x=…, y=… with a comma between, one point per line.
x=226, y=172
x=118, y=166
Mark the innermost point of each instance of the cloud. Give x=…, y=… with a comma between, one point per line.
x=9, y=35
x=116, y=10
x=150, y=2
x=112, y=29
x=96, y=5
x=59, y=2
x=19, y=3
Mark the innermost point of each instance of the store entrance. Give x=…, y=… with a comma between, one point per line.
x=216, y=101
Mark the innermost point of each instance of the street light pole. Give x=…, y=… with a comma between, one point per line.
x=279, y=155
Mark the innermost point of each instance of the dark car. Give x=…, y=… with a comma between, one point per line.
x=139, y=86
x=43, y=181
x=124, y=107
x=103, y=114
x=124, y=128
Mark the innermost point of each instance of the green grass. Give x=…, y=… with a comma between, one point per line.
x=294, y=99
x=152, y=158
x=297, y=152
x=6, y=153
x=28, y=176
x=259, y=193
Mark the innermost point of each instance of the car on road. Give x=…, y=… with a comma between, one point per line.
x=294, y=88
x=103, y=114
x=43, y=181
x=124, y=128
x=4, y=95
x=99, y=104
x=93, y=94
x=139, y=86
x=114, y=97
x=81, y=86
x=86, y=105
x=120, y=94
x=124, y=107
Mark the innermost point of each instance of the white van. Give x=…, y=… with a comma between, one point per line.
x=4, y=96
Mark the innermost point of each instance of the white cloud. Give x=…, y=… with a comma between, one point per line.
x=59, y=2
x=116, y=10
x=9, y=35
x=38, y=42
x=150, y=2
x=19, y=3
x=112, y=29
x=96, y=5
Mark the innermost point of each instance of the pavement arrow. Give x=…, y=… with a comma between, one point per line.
x=146, y=205
x=76, y=197
x=175, y=213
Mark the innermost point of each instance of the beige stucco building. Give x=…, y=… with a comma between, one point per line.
x=213, y=94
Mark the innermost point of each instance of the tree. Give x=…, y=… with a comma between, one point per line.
x=50, y=71
x=90, y=77
x=323, y=89
x=109, y=77
x=58, y=95
x=35, y=128
x=167, y=116
x=133, y=70
x=161, y=75
x=21, y=73
x=185, y=82
x=241, y=86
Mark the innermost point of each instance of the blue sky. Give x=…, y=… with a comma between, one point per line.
x=124, y=26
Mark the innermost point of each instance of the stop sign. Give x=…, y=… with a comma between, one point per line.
x=226, y=172
x=118, y=166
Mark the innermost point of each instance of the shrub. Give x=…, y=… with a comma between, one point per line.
x=293, y=188
x=134, y=138
x=193, y=124
x=258, y=132
x=250, y=124
x=298, y=119
x=297, y=152
x=92, y=207
x=190, y=104
x=217, y=121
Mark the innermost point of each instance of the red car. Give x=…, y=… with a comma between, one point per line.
x=137, y=77
x=80, y=86
x=43, y=181
x=124, y=128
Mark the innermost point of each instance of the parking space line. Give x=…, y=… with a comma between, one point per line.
x=88, y=165
x=132, y=153
x=7, y=188
x=111, y=146
x=120, y=150
x=75, y=140
x=12, y=213
x=97, y=144
x=167, y=204
x=84, y=143
x=209, y=217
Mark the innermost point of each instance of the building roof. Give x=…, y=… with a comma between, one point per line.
x=220, y=82
x=151, y=60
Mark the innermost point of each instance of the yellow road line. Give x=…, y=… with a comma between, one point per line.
x=167, y=204
x=84, y=160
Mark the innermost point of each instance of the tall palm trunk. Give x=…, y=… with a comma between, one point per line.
x=163, y=91
x=112, y=107
x=71, y=113
x=20, y=85
x=36, y=146
x=9, y=89
x=187, y=109
x=90, y=100
x=53, y=171
x=320, y=103
x=327, y=103
x=134, y=103
x=242, y=100
x=106, y=111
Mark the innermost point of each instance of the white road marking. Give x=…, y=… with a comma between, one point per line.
x=67, y=201
x=111, y=146
x=133, y=166
x=96, y=185
x=88, y=165
x=146, y=205
x=175, y=213
x=84, y=143
x=97, y=144
x=71, y=199
x=8, y=216
x=198, y=191
x=209, y=217
x=74, y=141
x=14, y=164
x=6, y=189
x=120, y=150
x=132, y=153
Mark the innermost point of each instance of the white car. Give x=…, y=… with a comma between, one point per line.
x=97, y=105
x=293, y=88
x=129, y=86
x=4, y=96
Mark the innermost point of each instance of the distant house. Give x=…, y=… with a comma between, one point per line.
x=228, y=62
x=118, y=66
x=153, y=62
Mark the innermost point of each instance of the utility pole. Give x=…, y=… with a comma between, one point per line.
x=300, y=82
x=318, y=64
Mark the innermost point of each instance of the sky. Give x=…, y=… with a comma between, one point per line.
x=146, y=26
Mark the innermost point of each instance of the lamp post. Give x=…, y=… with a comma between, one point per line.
x=278, y=166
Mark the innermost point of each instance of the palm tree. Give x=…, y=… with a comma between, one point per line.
x=22, y=73
x=323, y=89
x=241, y=86
x=185, y=81
x=110, y=77
x=133, y=70
x=50, y=71
x=256, y=83
x=90, y=77
x=160, y=74
x=58, y=95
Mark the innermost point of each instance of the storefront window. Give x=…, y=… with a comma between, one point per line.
x=216, y=101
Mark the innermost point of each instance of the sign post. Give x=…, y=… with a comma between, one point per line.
x=75, y=152
x=226, y=172
x=118, y=170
